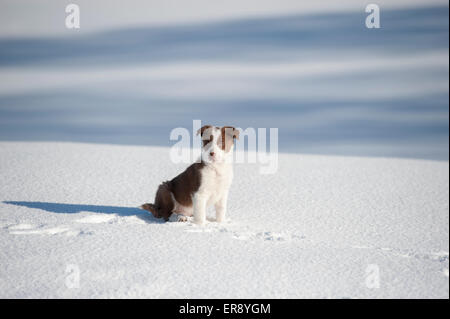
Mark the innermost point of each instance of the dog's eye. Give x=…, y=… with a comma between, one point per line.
x=207, y=141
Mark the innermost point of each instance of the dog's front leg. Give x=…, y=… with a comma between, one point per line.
x=199, y=209
x=221, y=208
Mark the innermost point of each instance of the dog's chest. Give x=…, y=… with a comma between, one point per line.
x=215, y=182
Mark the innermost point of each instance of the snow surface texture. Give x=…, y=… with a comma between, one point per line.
x=321, y=227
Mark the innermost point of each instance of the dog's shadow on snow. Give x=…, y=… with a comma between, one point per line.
x=77, y=208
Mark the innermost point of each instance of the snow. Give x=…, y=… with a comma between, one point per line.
x=322, y=226
x=46, y=18
x=332, y=86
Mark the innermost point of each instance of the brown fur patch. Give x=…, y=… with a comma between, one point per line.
x=186, y=184
x=227, y=136
x=163, y=206
x=182, y=187
x=202, y=129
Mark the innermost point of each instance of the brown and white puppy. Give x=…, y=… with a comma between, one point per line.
x=202, y=184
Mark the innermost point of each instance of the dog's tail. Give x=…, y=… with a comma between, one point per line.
x=151, y=208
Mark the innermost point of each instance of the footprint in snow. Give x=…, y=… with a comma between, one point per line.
x=28, y=229
x=95, y=219
x=21, y=227
x=240, y=232
x=111, y=219
x=272, y=236
x=441, y=256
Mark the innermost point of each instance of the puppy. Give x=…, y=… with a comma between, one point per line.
x=202, y=184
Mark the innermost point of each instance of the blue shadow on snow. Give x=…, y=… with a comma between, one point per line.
x=77, y=208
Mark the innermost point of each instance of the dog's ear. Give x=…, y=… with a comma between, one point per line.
x=231, y=131
x=202, y=129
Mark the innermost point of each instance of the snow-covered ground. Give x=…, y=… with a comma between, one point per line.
x=322, y=226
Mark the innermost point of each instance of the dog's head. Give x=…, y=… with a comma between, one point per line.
x=217, y=143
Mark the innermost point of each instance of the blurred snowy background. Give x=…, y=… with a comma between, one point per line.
x=137, y=69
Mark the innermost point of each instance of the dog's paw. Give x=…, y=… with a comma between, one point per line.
x=178, y=218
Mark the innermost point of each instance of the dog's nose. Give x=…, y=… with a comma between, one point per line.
x=212, y=153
